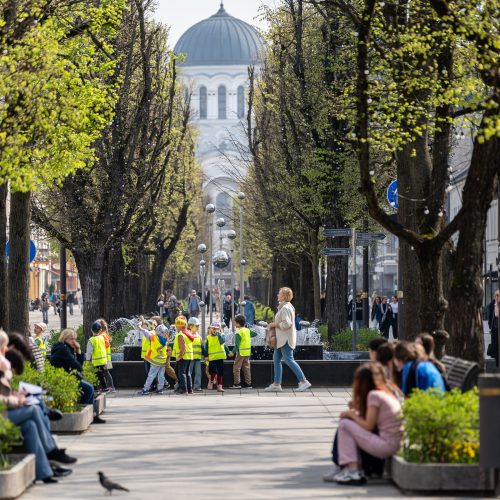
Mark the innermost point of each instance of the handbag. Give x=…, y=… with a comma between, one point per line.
x=271, y=339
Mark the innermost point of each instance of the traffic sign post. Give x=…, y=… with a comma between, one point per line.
x=392, y=194
x=353, y=312
x=336, y=252
x=338, y=232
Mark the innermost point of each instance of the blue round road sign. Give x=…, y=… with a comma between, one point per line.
x=32, y=250
x=392, y=194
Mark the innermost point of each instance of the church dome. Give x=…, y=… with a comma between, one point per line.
x=220, y=40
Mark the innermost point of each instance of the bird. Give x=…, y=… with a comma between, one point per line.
x=109, y=485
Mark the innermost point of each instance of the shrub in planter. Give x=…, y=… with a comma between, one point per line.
x=63, y=388
x=342, y=341
x=90, y=374
x=10, y=434
x=441, y=427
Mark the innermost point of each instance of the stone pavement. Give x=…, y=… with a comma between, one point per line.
x=245, y=445
x=74, y=320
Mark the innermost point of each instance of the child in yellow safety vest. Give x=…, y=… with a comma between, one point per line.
x=216, y=351
x=183, y=352
x=242, y=350
x=109, y=364
x=157, y=357
x=38, y=339
x=195, y=365
x=96, y=352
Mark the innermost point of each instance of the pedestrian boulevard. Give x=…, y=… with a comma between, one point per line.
x=243, y=444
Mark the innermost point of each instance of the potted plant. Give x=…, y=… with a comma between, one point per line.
x=17, y=472
x=441, y=444
x=63, y=394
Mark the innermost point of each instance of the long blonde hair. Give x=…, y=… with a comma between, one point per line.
x=67, y=334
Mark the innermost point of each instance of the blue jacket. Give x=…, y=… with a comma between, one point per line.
x=427, y=375
x=249, y=312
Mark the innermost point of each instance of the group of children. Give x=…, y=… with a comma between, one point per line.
x=190, y=351
x=98, y=352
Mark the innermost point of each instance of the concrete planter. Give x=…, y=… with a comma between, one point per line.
x=14, y=481
x=440, y=477
x=100, y=404
x=74, y=422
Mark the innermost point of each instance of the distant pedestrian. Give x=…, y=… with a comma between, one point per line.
x=45, y=310
x=71, y=302
x=79, y=299
x=394, y=320
x=227, y=309
x=376, y=315
x=193, y=305
x=386, y=319
x=249, y=310
x=358, y=303
x=161, y=305
x=172, y=306
x=493, y=315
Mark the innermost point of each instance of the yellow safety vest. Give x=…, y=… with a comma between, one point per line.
x=40, y=344
x=246, y=342
x=157, y=354
x=215, y=349
x=144, y=346
x=106, y=336
x=188, y=344
x=197, y=347
x=99, y=356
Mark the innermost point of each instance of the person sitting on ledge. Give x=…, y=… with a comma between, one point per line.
x=372, y=425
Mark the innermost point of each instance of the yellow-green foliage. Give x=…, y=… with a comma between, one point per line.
x=10, y=434
x=441, y=427
x=90, y=374
x=55, y=100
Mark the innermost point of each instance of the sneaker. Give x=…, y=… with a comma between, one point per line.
x=273, y=388
x=59, y=455
x=60, y=471
x=160, y=392
x=49, y=480
x=98, y=420
x=247, y=386
x=235, y=386
x=303, y=386
x=330, y=478
x=351, y=476
x=143, y=393
x=198, y=389
x=210, y=384
x=219, y=388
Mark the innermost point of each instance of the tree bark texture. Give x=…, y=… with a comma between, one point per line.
x=3, y=260
x=19, y=263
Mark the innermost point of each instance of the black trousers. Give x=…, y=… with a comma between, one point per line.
x=185, y=384
x=394, y=324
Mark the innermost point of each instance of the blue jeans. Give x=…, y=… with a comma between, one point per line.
x=195, y=366
x=155, y=371
x=285, y=354
x=37, y=438
x=87, y=397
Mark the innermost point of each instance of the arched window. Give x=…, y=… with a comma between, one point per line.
x=223, y=204
x=241, y=102
x=203, y=103
x=222, y=102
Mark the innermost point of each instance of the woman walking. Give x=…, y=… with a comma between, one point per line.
x=386, y=320
x=286, y=339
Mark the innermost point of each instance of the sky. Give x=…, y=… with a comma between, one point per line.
x=182, y=14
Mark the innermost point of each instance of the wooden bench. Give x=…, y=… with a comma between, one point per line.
x=461, y=374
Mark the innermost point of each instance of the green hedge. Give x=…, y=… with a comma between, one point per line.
x=10, y=435
x=441, y=427
x=342, y=341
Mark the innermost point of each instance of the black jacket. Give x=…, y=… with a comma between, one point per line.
x=493, y=325
x=64, y=356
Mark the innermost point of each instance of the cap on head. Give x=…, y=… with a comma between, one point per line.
x=194, y=321
x=42, y=326
x=180, y=321
x=215, y=325
x=161, y=329
x=96, y=326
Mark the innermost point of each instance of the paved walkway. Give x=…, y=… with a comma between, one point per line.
x=252, y=445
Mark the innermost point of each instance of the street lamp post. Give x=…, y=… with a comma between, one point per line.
x=231, y=234
x=210, y=209
x=202, y=248
x=220, y=224
x=241, y=197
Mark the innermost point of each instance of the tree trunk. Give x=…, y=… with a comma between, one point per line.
x=466, y=326
x=433, y=303
x=4, y=323
x=19, y=262
x=336, y=290
x=90, y=268
x=114, y=285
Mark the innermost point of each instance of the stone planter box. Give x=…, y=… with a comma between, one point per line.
x=14, y=481
x=100, y=404
x=74, y=422
x=441, y=477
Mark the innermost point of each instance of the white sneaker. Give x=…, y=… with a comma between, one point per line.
x=303, y=386
x=351, y=476
x=330, y=478
x=273, y=388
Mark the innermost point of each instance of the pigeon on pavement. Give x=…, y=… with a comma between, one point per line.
x=108, y=484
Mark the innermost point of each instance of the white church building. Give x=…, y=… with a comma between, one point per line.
x=218, y=52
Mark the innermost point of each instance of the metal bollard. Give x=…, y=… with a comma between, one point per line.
x=489, y=416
